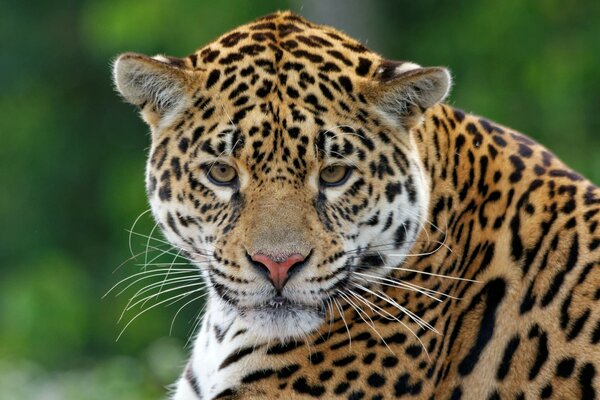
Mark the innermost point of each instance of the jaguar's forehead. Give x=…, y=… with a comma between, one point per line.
x=284, y=42
x=279, y=88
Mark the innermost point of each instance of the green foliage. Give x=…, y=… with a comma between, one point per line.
x=72, y=155
x=45, y=301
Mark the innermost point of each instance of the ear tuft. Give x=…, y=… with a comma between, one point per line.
x=144, y=80
x=406, y=90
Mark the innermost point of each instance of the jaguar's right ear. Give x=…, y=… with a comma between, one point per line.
x=403, y=91
x=158, y=85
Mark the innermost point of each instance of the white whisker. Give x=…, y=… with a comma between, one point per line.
x=396, y=305
x=168, y=282
x=341, y=311
x=182, y=295
x=392, y=282
x=359, y=312
x=433, y=274
x=166, y=291
x=179, y=310
x=133, y=227
x=149, y=274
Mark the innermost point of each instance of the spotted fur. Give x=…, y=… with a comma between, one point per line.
x=458, y=261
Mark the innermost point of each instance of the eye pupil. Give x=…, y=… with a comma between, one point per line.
x=221, y=174
x=334, y=175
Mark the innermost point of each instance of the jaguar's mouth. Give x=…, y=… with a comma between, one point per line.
x=280, y=304
x=279, y=301
x=281, y=318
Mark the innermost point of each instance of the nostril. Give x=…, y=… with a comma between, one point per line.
x=277, y=268
x=260, y=267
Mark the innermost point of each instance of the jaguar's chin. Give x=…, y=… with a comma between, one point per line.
x=281, y=319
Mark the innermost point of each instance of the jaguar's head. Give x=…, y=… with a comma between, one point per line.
x=282, y=163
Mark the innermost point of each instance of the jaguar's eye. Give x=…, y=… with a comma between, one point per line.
x=334, y=175
x=221, y=174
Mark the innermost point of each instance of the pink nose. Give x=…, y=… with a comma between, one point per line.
x=278, y=270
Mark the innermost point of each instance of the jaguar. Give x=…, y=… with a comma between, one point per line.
x=358, y=237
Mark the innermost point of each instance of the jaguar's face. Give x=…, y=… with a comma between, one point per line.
x=284, y=168
x=284, y=213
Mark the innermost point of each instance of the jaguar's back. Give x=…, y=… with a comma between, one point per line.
x=360, y=239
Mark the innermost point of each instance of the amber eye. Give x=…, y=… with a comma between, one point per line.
x=220, y=174
x=334, y=175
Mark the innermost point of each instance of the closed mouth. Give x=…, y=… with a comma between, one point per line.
x=279, y=301
x=278, y=305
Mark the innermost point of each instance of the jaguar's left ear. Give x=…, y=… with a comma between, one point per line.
x=159, y=85
x=403, y=90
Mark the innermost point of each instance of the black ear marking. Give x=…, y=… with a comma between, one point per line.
x=388, y=69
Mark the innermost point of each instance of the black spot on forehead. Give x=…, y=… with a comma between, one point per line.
x=364, y=65
x=287, y=28
x=263, y=25
x=300, y=77
x=233, y=38
x=286, y=33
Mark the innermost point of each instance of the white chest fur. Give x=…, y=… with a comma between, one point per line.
x=224, y=352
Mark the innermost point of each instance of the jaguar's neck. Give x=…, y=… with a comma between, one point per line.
x=486, y=181
x=466, y=160
x=219, y=344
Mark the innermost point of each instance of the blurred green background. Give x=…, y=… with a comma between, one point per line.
x=72, y=155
